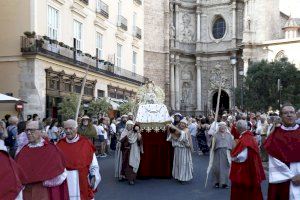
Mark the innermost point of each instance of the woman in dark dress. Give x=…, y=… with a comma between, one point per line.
x=201, y=137
x=130, y=146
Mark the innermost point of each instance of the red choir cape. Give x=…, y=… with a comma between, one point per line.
x=249, y=173
x=79, y=156
x=284, y=145
x=234, y=132
x=11, y=177
x=42, y=163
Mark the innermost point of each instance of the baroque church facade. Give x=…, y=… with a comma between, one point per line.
x=194, y=46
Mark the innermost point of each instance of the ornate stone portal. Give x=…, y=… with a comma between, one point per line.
x=197, y=58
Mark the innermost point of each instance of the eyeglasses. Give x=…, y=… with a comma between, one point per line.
x=287, y=113
x=30, y=130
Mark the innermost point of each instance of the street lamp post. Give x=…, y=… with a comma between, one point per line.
x=241, y=73
x=233, y=62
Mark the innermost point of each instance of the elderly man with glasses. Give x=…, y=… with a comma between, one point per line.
x=82, y=166
x=283, y=147
x=43, y=165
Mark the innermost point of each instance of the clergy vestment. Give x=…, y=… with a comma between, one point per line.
x=11, y=176
x=283, y=147
x=182, y=162
x=81, y=164
x=44, y=168
x=246, y=173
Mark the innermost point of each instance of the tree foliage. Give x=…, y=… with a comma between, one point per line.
x=68, y=107
x=98, y=106
x=127, y=107
x=260, y=89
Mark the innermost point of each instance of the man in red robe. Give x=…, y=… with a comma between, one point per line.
x=44, y=167
x=283, y=147
x=81, y=162
x=10, y=173
x=246, y=172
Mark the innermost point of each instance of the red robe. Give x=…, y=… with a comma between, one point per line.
x=40, y=164
x=11, y=177
x=234, y=132
x=284, y=146
x=247, y=176
x=79, y=156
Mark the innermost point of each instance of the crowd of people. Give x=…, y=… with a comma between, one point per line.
x=46, y=160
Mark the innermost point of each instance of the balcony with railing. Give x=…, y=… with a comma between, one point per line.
x=122, y=22
x=70, y=55
x=139, y=2
x=137, y=32
x=85, y=1
x=102, y=9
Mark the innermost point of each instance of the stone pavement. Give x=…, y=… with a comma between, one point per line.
x=160, y=189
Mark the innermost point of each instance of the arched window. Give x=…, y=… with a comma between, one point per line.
x=280, y=55
x=219, y=28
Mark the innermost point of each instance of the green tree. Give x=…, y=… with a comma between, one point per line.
x=98, y=106
x=127, y=107
x=260, y=87
x=68, y=106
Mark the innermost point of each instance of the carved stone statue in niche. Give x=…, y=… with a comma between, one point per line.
x=187, y=32
x=186, y=75
x=186, y=93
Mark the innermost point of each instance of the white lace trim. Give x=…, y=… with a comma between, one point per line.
x=75, y=139
x=290, y=128
x=39, y=144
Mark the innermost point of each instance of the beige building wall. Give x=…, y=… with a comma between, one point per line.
x=14, y=20
x=287, y=47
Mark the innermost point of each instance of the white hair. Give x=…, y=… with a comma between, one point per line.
x=241, y=125
x=13, y=120
x=71, y=123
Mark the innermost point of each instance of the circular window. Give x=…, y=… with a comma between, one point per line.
x=219, y=28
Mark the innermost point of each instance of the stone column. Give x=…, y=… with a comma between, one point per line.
x=199, y=79
x=172, y=86
x=234, y=76
x=177, y=86
x=234, y=20
x=198, y=26
x=177, y=25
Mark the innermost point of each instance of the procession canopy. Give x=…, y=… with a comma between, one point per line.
x=152, y=114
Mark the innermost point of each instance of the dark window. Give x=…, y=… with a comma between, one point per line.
x=219, y=28
x=88, y=91
x=68, y=87
x=100, y=93
x=77, y=88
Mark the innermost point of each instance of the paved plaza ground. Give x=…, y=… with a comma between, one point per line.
x=160, y=189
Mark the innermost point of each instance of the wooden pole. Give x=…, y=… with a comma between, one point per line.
x=81, y=93
x=218, y=103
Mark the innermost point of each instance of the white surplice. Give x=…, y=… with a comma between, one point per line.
x=279, y=172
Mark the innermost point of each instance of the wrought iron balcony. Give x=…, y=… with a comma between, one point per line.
x=139, y=2
x=85, y=1
x=122, y=23
x=137, y=32
x=63, y=53
x=102, y=9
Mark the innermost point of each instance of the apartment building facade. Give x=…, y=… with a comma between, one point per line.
x=49, y=44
